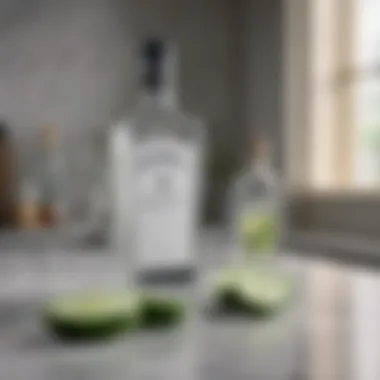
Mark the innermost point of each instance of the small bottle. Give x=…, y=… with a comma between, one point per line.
x=50, y=177
x=167, y=151
x=256, y=207
x=28, y=205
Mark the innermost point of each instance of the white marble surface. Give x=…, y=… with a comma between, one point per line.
x=331, y=332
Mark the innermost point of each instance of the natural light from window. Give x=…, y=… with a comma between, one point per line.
x=367, y=163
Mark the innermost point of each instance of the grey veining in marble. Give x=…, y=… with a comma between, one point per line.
x=329, y=332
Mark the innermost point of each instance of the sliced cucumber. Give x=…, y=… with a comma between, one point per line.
x=92, y=315
x=265, y=293
x=158, y=311
x=252, y=291
x=227, y=289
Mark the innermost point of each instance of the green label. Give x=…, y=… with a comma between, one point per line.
x=258, y=232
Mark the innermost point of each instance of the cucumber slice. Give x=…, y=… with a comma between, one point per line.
x=227, y=290
x=256, y=292
x=159, y=311
x=265, y=293
x=94, y=315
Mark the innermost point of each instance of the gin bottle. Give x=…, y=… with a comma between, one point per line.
x=256, y=207
x=167, y=150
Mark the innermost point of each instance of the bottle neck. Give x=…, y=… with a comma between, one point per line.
x=261, y=163
x=159, y=98
x=160, y=80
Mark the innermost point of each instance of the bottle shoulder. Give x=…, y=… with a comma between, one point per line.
x=252, y=175
x=144, y=120
x=254, y=183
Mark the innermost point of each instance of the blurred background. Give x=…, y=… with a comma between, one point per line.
x=306, y=73
x=331, y=109
x=72, y=65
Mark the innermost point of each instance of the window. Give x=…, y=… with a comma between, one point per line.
x=332, y=116
x=367, y=157
x=340, y=45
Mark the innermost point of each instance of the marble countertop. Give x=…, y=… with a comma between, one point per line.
x=330, y=332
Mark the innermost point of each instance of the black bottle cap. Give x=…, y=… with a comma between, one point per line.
x=153, y=51
x=153, y=48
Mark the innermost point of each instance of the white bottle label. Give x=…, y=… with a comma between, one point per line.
x=166, y=181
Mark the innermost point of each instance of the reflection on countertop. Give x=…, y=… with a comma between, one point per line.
x=342, y=334
x=332, y=332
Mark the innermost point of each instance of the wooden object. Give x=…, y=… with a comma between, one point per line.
x=48, y=211
x=28, y=215
x=48, y=215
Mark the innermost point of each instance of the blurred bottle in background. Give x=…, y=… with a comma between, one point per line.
x=50, y=177
x=28, y=210
x=256, y=206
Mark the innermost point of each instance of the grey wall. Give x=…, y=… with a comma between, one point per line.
x=71, y=62
x=263, y=21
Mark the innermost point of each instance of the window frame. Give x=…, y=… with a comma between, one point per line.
x=321, y=217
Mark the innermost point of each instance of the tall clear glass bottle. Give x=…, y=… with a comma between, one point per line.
x=256, y=208
x=166, y=172
x=51, y=181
